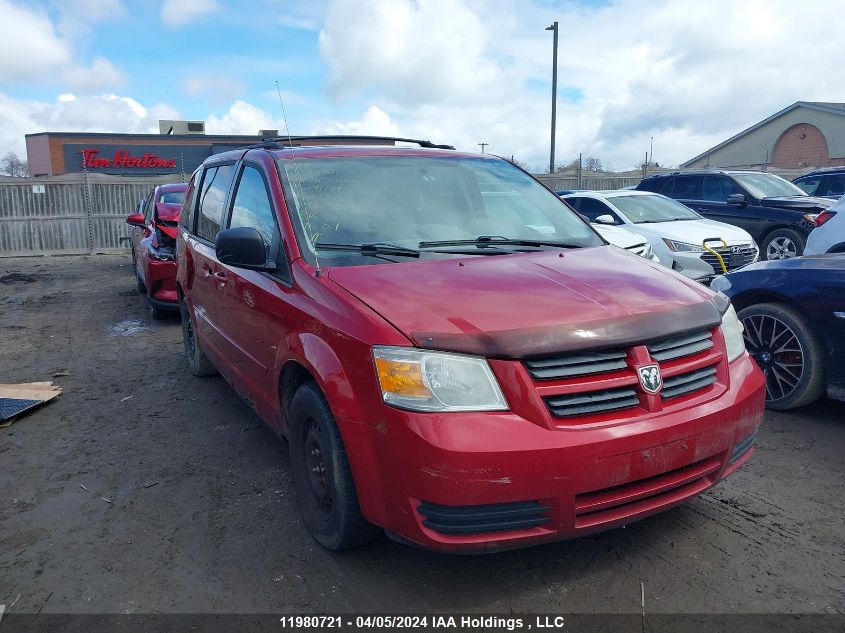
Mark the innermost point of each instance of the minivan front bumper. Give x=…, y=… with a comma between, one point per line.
x=491, y=481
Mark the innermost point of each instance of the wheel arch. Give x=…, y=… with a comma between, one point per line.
x=837, y=248
x=310, y=359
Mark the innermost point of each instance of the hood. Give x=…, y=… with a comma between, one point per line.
x=696, y=231
x=617, y=236
x=167, y=217
x=527, y=304
x=799, y=203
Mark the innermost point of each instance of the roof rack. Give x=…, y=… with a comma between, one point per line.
x=281, y=142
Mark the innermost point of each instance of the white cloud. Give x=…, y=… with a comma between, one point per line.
x=417, y=52
x=180, y=12
x=689, y=74
x=241, y=118
x=72, y=113
x=101, y=74
x=374, y=122
x=29, y=44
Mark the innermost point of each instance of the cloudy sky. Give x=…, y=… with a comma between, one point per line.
x=687, y=73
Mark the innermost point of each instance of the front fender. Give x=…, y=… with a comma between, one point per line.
x=321, y=361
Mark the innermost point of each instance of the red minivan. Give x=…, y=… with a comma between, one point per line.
x=443, y=368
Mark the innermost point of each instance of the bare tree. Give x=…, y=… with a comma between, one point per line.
x=591, y=163
x=11, y=165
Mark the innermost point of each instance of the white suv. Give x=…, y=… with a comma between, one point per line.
x=829, y=234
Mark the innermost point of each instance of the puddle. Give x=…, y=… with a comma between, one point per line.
x=129, y=327
x=18, y=278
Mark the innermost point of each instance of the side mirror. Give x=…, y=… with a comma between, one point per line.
x=737, y=199
x=605, y=219
x=242, y=247
x=136, y=219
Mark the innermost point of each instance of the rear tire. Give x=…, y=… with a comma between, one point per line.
x=784, y=346
x=782, y=244
x=322, y=476
x=198, y=363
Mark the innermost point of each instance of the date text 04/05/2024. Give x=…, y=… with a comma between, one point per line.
x=420, y=622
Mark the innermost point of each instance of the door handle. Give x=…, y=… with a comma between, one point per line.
x=206, y=271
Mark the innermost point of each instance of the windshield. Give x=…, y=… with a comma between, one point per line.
x=768, y=185
x=653, y=208
x=172, y=197
x=405, y=200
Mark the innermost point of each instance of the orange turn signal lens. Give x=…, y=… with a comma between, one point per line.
x=401, y=378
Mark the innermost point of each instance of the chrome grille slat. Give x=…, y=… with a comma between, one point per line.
x=680, y=346
x=687, y=383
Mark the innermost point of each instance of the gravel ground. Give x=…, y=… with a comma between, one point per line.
x=188, y=504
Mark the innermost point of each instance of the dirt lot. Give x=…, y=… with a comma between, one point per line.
x=201, y=513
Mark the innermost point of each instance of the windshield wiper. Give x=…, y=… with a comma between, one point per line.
x=370, y=249
x=483, y=241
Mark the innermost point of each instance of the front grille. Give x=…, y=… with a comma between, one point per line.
x=683, y=384
x=733, y=260
x=626, y=501
x=576, y=364
x=680, y=346
x=496, y=517
x=592, y=402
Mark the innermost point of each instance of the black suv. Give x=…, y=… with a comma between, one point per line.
x=828, y=182
x=777, y=213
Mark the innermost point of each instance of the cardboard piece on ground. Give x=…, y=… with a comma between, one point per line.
x=20, y=398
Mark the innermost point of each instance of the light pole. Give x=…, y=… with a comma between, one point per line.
x=483, y=145
x=553, y=28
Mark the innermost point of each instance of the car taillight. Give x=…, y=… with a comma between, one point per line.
x=824, y=216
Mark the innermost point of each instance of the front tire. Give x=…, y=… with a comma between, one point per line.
x=787, y=351
x=782, y=244
x=322, y=476
x=198, y=362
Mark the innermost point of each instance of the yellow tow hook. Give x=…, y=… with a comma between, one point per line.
x=719, y=257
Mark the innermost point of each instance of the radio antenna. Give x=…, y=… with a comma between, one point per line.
x=306, y=216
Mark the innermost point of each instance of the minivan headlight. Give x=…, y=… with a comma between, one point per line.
x=732, y=330
x=421, y=380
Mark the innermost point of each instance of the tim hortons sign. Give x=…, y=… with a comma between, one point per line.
x=123, y=159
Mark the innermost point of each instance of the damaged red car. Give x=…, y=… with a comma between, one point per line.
x=444, y=369
x=153, y=242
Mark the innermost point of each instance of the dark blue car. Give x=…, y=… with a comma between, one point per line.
x=793, y=311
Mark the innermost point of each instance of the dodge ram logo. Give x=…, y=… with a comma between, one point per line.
x=650, y=378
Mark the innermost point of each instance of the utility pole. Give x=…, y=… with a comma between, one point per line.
x=553, y=28
x=651, y=151
x=483, y=145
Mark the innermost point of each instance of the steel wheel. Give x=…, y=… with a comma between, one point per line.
x=781, y=247
x=319, y=470
x=778, y=352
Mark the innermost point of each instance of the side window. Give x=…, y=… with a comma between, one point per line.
x=810, y=184
x=186, y=217
x=685, y=188
x=718, y=188
x=148, y=207
x=836, y=185
x=575, y=203
x=215, y=186
x=655, y=185
x=252, y=207
x=593, y=209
